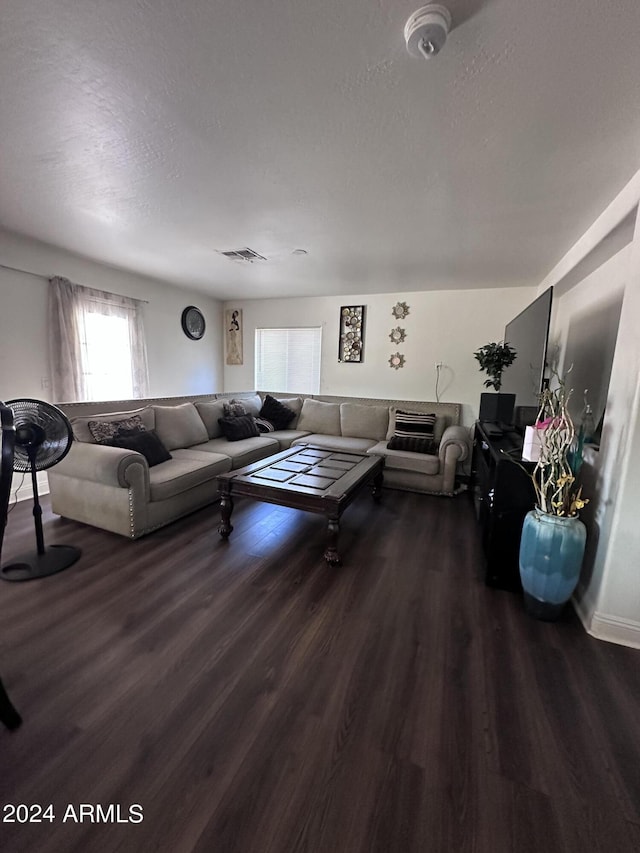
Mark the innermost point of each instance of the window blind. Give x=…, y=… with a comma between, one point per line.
x=288, y=360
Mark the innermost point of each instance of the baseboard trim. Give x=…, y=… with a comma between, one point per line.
x=23, y=491
x=625, y=632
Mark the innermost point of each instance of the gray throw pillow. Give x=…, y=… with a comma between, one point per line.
x=234, y=409
x=103, y=430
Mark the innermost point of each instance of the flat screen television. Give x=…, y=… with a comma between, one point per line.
x=528, y=334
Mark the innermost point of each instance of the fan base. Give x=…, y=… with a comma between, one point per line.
x=33, y=565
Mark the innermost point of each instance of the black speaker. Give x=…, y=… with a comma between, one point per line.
x=525, y=416
x=497, y=408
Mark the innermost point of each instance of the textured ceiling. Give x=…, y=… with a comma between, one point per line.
x=152, y=134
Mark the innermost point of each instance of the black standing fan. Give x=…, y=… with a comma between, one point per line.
x=8, y=714
x=43, y=436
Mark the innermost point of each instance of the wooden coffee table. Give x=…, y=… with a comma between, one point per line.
x=304, y=477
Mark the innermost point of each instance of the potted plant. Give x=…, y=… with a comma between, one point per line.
x=493, y=359
x=553, y=537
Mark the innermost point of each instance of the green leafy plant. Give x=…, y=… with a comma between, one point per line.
x=493, y=358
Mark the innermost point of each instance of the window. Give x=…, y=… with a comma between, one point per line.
x=106, y=357
x=288, y=360
x=97, y=344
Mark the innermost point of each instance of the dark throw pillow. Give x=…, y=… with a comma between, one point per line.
x=103, y=430
x=276, y=412
x=239, y=427
x=414, y=444
x=146, y=442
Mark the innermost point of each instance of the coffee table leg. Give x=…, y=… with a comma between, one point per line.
x=226, y=508
x=331, y=551
x=376, y=486
x=8, y=714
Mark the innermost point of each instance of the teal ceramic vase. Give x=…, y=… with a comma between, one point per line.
x=551, y=552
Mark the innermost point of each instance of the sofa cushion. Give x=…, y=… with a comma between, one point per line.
x=251, y=404
x=210, y=412
x=179, y=426
x=145, y=442
x=185, y=471
x=242, y=452
x=276, y=413
x=441, y=424
x=80, y=424
x=319, y=417
x=286, y=437
x=239, y=427
x=404, y=460
x=364, y=421
x=336, y=442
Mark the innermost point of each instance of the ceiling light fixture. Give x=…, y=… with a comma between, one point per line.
x=426, y=30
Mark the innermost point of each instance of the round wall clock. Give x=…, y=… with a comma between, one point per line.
x=193, y=324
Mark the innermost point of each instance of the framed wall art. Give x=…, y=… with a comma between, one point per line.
x=233, y=335
x=351, y=340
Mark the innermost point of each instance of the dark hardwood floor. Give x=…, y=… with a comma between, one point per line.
x=251, y=698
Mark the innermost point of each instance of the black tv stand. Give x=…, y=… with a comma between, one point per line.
x=503, y=493
x=495, y=429
x=492, y=428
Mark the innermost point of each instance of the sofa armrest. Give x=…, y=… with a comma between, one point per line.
x=456, y=442
x=110, y=466
x=455, y=447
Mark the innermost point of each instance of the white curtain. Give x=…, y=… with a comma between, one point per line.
x=73, y=310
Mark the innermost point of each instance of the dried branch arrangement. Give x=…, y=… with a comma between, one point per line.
x=553, y=477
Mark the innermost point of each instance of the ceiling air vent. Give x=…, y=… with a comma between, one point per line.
x=244, y=255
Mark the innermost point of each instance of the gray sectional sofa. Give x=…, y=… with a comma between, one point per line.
x=116, y=489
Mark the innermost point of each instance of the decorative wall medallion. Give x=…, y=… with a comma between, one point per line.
x=400, y=310
x=233, y=335
x=397, y=335
x=396, y=361
x=192, y=321
x=351, y=343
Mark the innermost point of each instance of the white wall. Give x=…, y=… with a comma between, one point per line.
x=442, y=326
x=177, y=365
x=614, y=600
